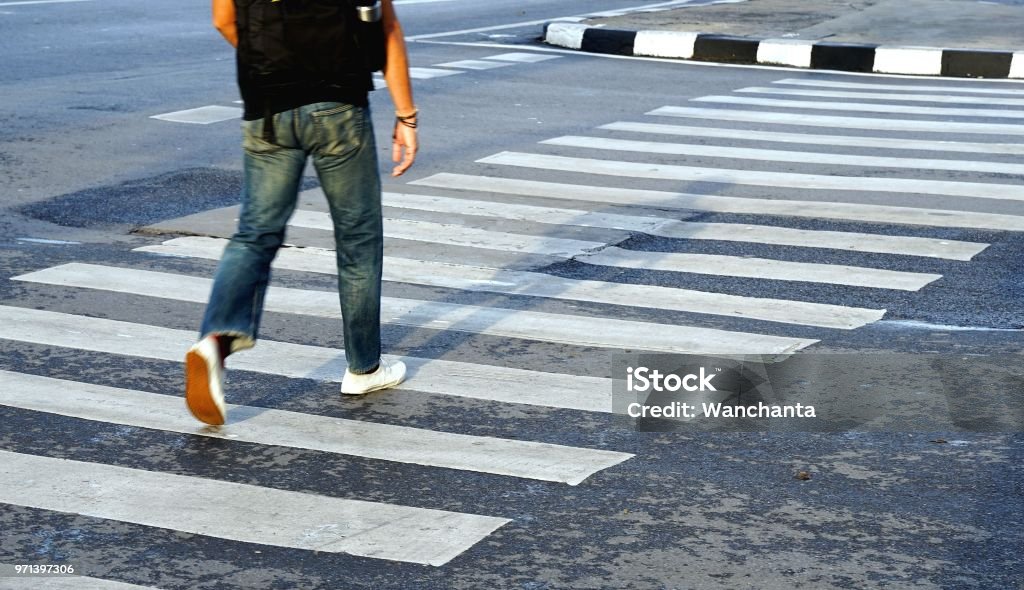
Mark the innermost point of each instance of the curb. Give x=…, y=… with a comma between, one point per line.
x=847, y=57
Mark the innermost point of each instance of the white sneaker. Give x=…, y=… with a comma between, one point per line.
x=204, y=381
x=388, y=374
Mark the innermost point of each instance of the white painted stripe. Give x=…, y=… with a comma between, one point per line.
x=522, y=58
x=531, y=325
x=484, y=382
x=908, y=60
x=976, y=190
x=13, y=581
x=1017, y=65
x=491, y=280
x=663, y=199
x=46, y=242
x=982, y=100
x=853, y=241
x=458, y=235
x=673, y=44
x=671, y=228
x=253, y=514
x=787, y=52
x=30, y=2
x=943, y=327
x=710, y=151
x=897, y=87
x=475, y=64
x=202, y=115
x=762, y=268
x=568, y=35
x=809, y=120
x=386, y=442
x=1016, y=149
x=428, y=73
x=864, y=107
x=519, y=212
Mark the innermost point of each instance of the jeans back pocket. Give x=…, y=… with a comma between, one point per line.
x=339, y=130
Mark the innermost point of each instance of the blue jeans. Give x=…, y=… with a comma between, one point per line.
x=339, y=137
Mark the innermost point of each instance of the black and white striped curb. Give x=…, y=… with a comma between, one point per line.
x=925, y=61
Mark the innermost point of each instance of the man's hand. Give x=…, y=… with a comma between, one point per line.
x=396, y=73
x=404, y=146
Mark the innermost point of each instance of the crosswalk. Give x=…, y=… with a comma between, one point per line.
x=776, y=155
x=535, y=284
x=748, y=177
x=209, y=114
x=833, y=121
x=849, y=187
x=524, y=459
x=867, y=107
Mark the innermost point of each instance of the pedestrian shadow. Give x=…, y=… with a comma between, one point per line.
x=677, y=206
x=520, y=297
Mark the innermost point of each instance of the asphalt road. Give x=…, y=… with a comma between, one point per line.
x=916, y=483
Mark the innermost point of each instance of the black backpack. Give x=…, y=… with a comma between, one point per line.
x=289, y=46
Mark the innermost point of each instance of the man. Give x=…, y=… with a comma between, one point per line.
x=304, y=80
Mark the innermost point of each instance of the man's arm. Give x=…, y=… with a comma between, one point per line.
x=396, y=73
x=224, y=20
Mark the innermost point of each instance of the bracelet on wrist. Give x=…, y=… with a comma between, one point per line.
x=407, y=120
x=412, y=115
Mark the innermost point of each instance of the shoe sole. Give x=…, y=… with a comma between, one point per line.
x=198, y=396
